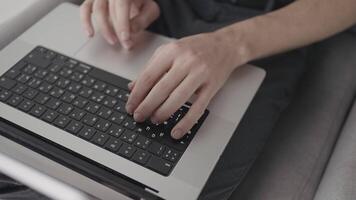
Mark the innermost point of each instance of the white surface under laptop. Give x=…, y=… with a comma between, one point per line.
x=61, y=31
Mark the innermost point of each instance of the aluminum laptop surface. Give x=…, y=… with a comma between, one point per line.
x=42, y=183
x=61, y=31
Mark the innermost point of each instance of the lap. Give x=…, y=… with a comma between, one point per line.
x=283, y=73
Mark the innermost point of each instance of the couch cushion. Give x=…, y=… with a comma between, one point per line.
x=339, y=180
x=294, y=158
x=18, y=15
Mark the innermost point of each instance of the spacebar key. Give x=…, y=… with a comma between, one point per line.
x=109, y=78
x=159, y=165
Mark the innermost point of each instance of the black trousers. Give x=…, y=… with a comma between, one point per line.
x=181, y=18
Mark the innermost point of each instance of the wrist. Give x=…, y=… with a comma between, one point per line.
x=236, y=44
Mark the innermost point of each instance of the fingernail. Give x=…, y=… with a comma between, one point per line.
x=127, y=44
x=112, y=40
x=139, y=117
x=177, y=133
x=154, y=120
x=130, y=85
x=88, y=33
x=129, y=108
x=125, y=36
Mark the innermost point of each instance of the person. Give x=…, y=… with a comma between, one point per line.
x=214, y=39
x=200, y=64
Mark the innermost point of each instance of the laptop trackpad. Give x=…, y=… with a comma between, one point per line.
x=115, y=59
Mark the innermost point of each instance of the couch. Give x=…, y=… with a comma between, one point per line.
x=300, y=161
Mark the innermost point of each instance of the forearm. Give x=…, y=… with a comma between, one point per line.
x=299, y=24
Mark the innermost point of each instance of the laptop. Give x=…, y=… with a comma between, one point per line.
x=66, y=95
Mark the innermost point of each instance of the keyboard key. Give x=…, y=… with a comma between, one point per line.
x=56, y=92
x=39, y=50
x=77, y=114
x=92, y=107
x=110, y=102
x=141, y=157
x=55, y=67
x=68, y=97
x=80, y=102
x=83, y=68
x=12, y=73
x=74, y=127
x=127, y=150
x=19, y=89
x=50, y=116
x=87, y=133
x=115, y=130
x=26, y=105
x=100, y=138
x=129, y=123
x=37, y=60
x=66, y=72
x=104, y=112
x=70, y=63
x=159, y=165
x=52, y=78
x=109, y=78
x=45, y=87
x=60, y=59
x=156, y=148
x=38, y=110
x=129, y=136
x=34, y=83
x=99, y=85
x=120, y=106
x=19, y=66
x=112, y=91
x=97, y=97
x=103, y=125
x=23, y=78
x=4, y=95
x=117, y=118
x=42, y=99
x=77, y=76
x=88, y=81
x=74, y=87
x=41, y=73
x=29, y=69
x=30, y=94
x=65, y=109
x=53, y=103
x=7, y=83
x=142, y=142
x=63, y=83
x=90, y=119
x=15, y=100
x=113, y=144
x=171, y=155
x=62, y=121
x=123, y=95
x=86, y=92
x=50, y=55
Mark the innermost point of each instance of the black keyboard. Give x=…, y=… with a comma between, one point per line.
x=90, y=103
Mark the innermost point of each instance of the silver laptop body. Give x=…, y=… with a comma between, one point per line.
x=61, y=31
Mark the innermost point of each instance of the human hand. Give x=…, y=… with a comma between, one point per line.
x=119, y=20
x=197, y=65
